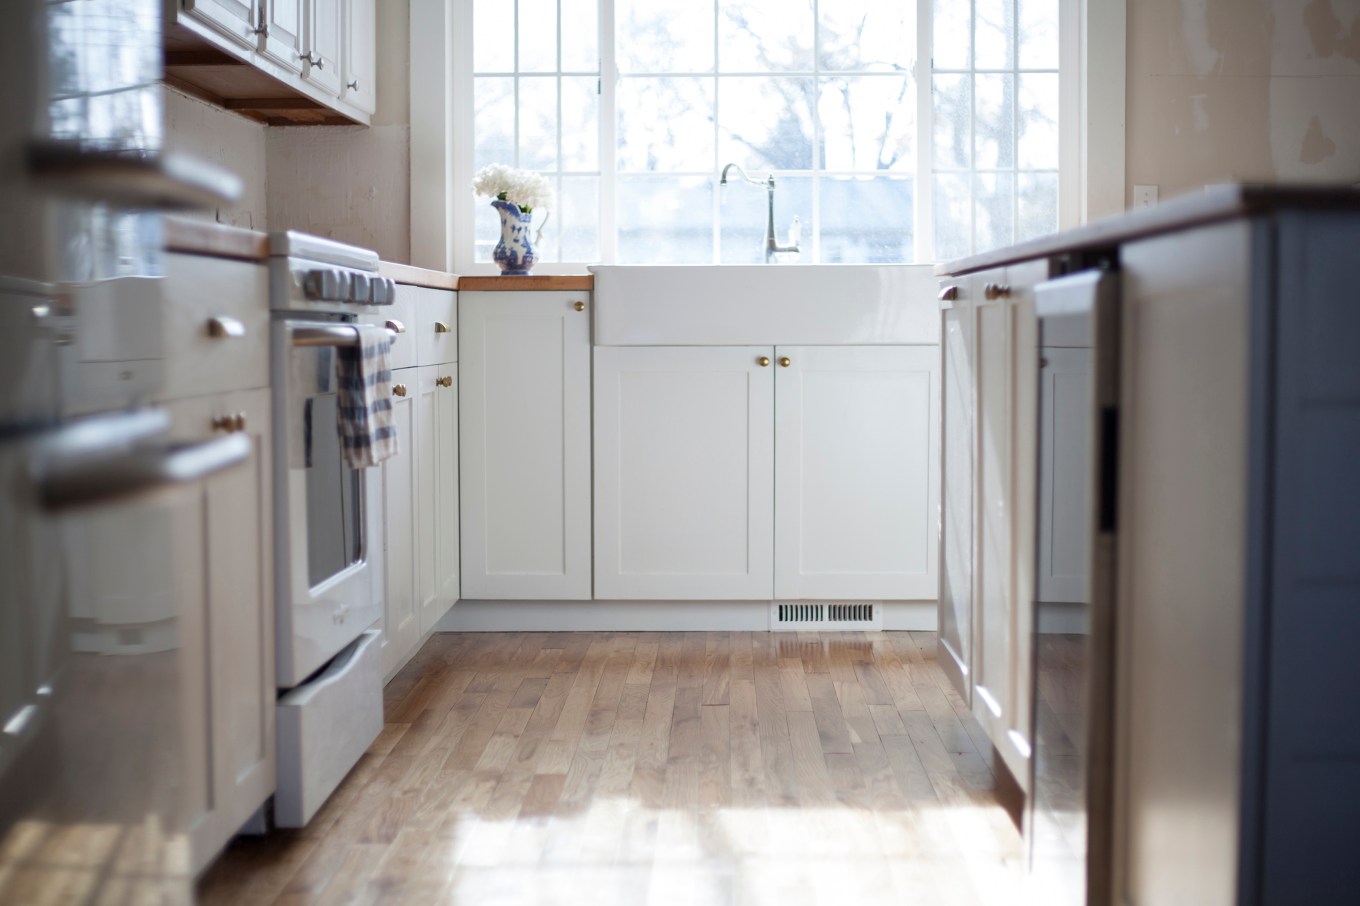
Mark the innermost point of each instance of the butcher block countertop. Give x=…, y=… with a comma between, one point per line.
x=570, y=282
x=203, y=237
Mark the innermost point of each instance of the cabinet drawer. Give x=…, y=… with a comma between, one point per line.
x=401, y=312
x=324, y=727
x=216, y=326
x=436, y=323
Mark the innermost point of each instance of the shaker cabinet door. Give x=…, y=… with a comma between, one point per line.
x=856, y=472
x=958, y=357
x=684, y=458
x=524, y=445
x=437, y=493
x=401, y=622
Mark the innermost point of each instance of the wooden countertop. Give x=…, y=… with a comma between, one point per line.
x=580, y=282
x=203, y=237
x=417, y=276
x=1216, y=203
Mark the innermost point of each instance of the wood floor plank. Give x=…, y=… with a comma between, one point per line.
x=625, y=768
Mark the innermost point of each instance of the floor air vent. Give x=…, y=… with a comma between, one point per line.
x=826, y=616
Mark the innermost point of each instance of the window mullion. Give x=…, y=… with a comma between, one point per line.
x=716, y=226
x=608, y=127
x=925, y=134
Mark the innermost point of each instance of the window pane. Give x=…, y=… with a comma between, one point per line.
x=493, y=37
x=486, y=227
x=993, y=210
x=578, y=216
x=868, y=123
x=493, y=124
x=1038, y=203
x=868, y=34
x=538, y=122
x=580, y=123
x=867, y=220
x=952, y=130
x=664, y=35
x=537, y=35
x=993, y=32
x=994, y=121
x=665, y=220
x=580, y=36
x=953, y=206
x=743, y=218
x=665, y=124
x=765, y=123
x=1038, y=121
x=1038, y=34
x=765, y=35
x=952, y=41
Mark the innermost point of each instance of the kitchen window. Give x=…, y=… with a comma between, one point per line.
x=633, y=107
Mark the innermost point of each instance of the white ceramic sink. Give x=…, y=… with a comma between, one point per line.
x=747, y=305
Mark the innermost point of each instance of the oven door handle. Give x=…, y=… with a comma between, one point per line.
x=329, y=334
x=144, y=470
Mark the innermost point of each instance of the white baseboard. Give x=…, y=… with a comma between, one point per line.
x=647, y=616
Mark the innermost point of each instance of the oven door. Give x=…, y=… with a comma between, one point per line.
x=327, y=525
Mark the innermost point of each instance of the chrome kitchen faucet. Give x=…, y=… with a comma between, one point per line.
x=771, y=246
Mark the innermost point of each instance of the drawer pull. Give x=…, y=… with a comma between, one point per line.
x=440, y=327
x=224, y=328
x=993, y=291
x=396, y=327
x=949, y=294
x=231, y=424
x=398, y=389
x=445, y=381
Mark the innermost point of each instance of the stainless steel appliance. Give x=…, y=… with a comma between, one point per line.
x=328, y=524
x=91, y=509
x=1073, y=694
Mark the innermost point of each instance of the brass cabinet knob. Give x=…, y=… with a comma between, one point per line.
x=579, y=306
x=239, y=422
x=785, y=361
x=398, y=389
x=949, y=294
x=224, y=328
x=440, y=327
x=993, y=291
x=223, y=423
x=445, y=381
x=763, y=361
x=396, y=326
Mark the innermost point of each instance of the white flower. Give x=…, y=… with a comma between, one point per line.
x=524, y=188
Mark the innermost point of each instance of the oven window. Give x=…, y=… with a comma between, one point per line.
x=334, y=490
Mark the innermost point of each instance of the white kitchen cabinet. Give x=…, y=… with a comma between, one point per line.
x=437, y=484
x=401, y=614
x=1064, y=442
x=322, y=45
x=958, y=354
x=856, y=472
x=235, y=20
x=524, y=445
x=760, y=472
x=230, y=658
x=359, y=56
x=684, y=472
x=284, y=29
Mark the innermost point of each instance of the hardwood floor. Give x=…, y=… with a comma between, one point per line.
x=632, y=768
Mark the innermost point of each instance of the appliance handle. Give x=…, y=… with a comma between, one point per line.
x=132, y=180
x=329, y=335
x=138, y=472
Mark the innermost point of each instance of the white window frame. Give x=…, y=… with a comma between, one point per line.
x=1090, y=127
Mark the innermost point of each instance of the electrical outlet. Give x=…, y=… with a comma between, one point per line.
x=1144, y=196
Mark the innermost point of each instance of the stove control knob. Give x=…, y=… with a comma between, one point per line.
x=384, y=291
x=314, y=285
x=360, y=288
x=325, y=285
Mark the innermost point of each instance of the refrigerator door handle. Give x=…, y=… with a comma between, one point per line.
x=133, y=180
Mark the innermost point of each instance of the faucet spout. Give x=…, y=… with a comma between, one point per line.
x=772, y=246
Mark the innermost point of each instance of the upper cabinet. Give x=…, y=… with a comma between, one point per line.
x=277, y=61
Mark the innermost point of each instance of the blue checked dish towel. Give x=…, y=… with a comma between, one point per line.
x=368, y=430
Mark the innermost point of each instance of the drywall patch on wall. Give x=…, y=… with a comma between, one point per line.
x=347, y=183
x=1317, y=147
x=228, y=140
x=1201, y=54
x=1327, y=32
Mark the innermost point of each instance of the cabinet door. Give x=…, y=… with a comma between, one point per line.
x=360, y=55
x=283, y=23
x=237, y=20
x=437, y=493
x=322, y=46
x=524, y=445
x=237, y=630
x=958, y=355
x=856, y=474
x=684, y=453
x=401, y=622
x=1064, y=442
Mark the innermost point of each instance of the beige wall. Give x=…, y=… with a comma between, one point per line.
x=227, y=139
x=1242, y=90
